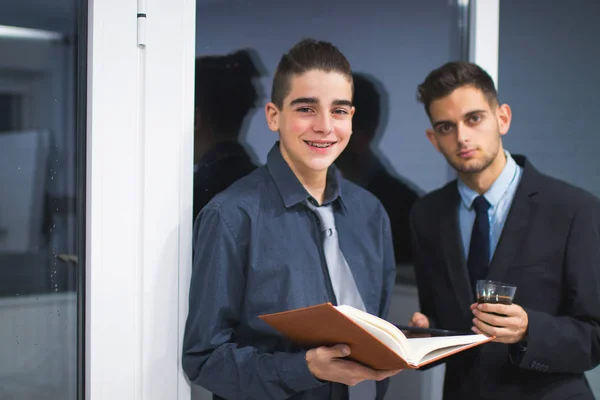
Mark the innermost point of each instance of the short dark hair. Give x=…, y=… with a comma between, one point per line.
x=444, y=80
x=225, y=91
x=307, y=55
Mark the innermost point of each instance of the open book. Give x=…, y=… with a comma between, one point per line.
x=372, y=340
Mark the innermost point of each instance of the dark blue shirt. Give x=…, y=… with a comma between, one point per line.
x=257, y=250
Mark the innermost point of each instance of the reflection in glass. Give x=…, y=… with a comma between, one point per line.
x=362, y=165
x=38, y=222
x=225, y=95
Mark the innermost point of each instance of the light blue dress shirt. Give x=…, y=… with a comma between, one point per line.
x=500, y=196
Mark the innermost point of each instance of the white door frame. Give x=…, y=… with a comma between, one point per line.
x=484, y=35
x=139, y=197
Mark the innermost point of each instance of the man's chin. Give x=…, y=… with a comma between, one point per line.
x=468, y=167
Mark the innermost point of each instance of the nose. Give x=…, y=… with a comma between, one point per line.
x=323, y=123
x=462, y=134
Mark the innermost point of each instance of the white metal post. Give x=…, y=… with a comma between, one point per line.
x=139, y=197
x=484, y=35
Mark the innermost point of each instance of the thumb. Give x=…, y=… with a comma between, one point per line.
x=339, y=350
x=414, y=319
x=420, y=320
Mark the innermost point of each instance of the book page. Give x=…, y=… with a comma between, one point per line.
x=383, y=336
x=414, y=351
x=437, y=353
x=380, y=328
x=424, y=349
x=374, y=320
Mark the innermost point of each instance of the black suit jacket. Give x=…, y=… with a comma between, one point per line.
x=550, y=249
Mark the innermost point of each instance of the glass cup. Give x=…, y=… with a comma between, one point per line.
x=495, y=293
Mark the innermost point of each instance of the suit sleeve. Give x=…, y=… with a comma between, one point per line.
x=570, y=343
x=211, y=358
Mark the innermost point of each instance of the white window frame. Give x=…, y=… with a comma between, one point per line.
x=139, y=197
x=484, y=34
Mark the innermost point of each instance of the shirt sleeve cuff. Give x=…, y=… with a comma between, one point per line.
x=296, y=374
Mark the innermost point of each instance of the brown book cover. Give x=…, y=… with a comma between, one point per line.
x=326, y=325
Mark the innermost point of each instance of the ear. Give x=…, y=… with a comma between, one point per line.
x=504, y=115
x=352, y=110
x=272, y=114
x=432, y=138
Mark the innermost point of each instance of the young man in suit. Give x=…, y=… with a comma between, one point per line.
x=503, y=220
x=259, y=248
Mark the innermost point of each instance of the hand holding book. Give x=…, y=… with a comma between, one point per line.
x=330, y=364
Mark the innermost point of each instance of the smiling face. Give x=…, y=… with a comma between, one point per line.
x=314, y=123
x=468, y=131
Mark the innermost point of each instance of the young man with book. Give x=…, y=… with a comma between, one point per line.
x=291, y=234
x=502, y=220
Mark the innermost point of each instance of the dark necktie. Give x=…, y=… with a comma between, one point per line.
x=479, y=249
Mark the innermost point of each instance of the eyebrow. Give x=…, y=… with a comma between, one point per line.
x=314, y=100
x=342, y=103
x=467, y=115
x=304, y=100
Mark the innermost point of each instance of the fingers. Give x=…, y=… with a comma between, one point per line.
x=328, y=363
x=361, y=373
x=484, y=328
x=337, y=351
x=505, y=321
x=358, y=373
x=381, y=375
x=323, y=354
x=503, y=309
x=491, y=319
x=477, y=331
x=349, y=372
x=419, y=320
x=502, y=334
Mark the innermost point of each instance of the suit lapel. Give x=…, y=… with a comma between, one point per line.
x=452, y=246
x=517, y=225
